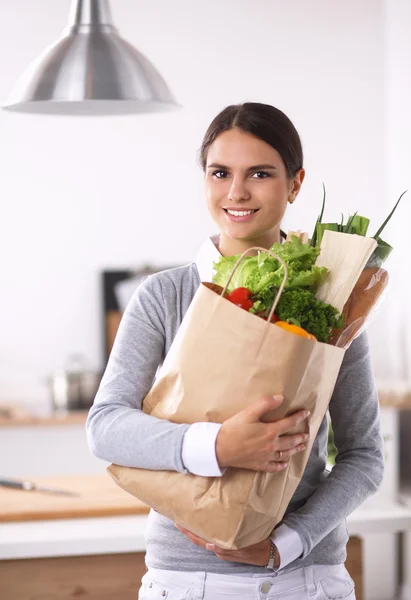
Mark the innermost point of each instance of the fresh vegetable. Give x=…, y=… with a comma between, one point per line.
x=261, y=273
x=383, y=250
x=294, y=329
x=257, y=280
x=313, y=242
x=355, y=225
x=264, y=315
x=242, y=297
x=377, y=235
x=302, y=308
x=358, y=225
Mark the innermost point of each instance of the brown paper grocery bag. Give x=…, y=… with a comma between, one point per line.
x=222, y=359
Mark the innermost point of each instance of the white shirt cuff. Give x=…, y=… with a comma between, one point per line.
x=198, y=453
x=289, y=544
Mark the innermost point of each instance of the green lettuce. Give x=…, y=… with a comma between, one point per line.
x=262, y=274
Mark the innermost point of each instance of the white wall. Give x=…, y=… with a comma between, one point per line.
x=80, y=195
x=398, y=170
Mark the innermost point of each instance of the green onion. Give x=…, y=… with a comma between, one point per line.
x=313, y=241
x=380, y=254
x=321, y=227
x=349, y=227
x=377, y=235
x=360, y=224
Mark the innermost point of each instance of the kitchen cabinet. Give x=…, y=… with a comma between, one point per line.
x=38, y=446
x=49, y=550
x=96, y=577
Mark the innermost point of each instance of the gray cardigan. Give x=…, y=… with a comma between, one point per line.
x=119, y=432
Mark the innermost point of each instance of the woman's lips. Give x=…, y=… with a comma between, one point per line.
x=240, y=216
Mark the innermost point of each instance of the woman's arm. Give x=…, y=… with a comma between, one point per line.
x=359, y=467
x=117, y=429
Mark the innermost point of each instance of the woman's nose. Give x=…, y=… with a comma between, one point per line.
x=238, y=191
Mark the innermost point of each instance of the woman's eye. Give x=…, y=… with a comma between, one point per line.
x=219, y=174
x=261, y=174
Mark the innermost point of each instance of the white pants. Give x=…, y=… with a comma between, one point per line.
x=318, y=582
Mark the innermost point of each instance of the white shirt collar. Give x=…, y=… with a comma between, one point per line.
x=206, y=256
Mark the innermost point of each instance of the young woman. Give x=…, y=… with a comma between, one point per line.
x=253, y=167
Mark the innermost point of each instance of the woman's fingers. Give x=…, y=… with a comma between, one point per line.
x=273, y=467
x=217, y=549
x=285, y=455
x=198, y=541
x=287, y=442
x=284, y=425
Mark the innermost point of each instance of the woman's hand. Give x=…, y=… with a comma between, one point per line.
x=245, y=442
x=257, y=554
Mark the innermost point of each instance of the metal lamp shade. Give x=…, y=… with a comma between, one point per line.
x=91, y=71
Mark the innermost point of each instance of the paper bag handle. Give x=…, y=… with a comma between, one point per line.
x=284, y=281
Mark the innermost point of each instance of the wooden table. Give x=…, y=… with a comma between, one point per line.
x=104, y=576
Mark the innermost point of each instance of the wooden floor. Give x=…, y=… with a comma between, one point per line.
x=102, y=577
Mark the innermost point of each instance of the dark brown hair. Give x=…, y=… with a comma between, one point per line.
x=265, y=122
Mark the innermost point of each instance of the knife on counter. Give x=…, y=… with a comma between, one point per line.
x=31, y=486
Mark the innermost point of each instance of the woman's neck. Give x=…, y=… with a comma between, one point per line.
x=230, y=246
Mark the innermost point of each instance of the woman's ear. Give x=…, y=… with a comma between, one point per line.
x=296, y=184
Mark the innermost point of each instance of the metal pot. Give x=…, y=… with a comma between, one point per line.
x=74, y=387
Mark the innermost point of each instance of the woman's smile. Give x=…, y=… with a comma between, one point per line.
x=240, y=215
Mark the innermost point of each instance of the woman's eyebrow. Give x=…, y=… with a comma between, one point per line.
x=254, y=168
x=263, y=166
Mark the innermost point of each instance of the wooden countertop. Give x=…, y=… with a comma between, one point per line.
x=400, y=399
x=395, y=399
x=75, y=417
x=98, y=496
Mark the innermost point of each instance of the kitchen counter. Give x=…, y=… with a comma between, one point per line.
x=23, y=418
x=49, y=549
x=72, y=537
x=97, y=496
x=34, y=524
x=112, y=534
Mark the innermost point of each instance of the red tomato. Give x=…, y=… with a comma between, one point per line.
x=274, y=318
x=241, y=297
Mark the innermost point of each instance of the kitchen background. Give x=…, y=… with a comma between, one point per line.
x=83, y=195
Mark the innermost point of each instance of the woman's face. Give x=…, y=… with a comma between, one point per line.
x=247, y=187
